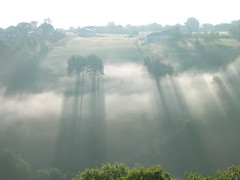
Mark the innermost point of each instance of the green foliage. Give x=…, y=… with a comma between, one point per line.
x=232, y=173
x=176, y=34
x=192, y=24
x=155, y=172
x=156, y=68
x=235, y=29
x=13, y=166
x=76, y=64
x=21, y=51
x=94, y=65
x=114, y=171
x=107, y=172
x=195, y=176
x=89, y=174
x=121, y=172
x=49, y=174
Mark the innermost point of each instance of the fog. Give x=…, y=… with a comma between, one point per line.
x=135, y=118
x=126, y=108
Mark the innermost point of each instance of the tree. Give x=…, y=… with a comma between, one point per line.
x=222, y=27
x=155, y=172
x=23, y=28
x=95, y=68
x=157, y=69
x=235, y=29
x=13, y=166
x=77, y=65
x=46, y=29
x=94, y=65
x=47, y=21
x=195, y=176
x=207, y=27
x=121, y=171
x=49, y=174
x=34, y=24
x=192, y=24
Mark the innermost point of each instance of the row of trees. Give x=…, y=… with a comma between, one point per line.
x=81, y=127
x=191, y=25
x=24, y=30
x=78, y=65
x=21, y=49
x=122, y=172
x=14, y=167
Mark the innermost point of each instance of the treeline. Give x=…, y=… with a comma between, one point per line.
x=14, y=167
x=21, y=48
x=191, y=25
x=122, y=172
x=24, y=30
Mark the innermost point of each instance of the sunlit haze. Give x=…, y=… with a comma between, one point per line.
x=65, y=14
x=151, y=85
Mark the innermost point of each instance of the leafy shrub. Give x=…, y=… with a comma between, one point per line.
x=195, y=176
x=155, y=172
x=121, y=172
x=89, y=174
x=107, y=172
x=232, y=173
x=115, y=171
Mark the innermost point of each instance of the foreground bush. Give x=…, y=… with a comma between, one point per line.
x=154, y=172
x=195, y=176
x=232, y=173
x=121, y=172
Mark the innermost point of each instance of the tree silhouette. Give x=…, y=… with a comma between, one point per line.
x=157, y=69
x=95, y=65
x=76, y=66
x=192, y=24
x=95, y=68
x=92, y=128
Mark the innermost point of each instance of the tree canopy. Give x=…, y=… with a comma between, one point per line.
x=13, y=166
x=192, y=24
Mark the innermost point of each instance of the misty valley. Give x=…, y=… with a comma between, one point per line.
x=103, y=102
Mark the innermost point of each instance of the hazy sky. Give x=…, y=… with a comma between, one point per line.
x=66, y=13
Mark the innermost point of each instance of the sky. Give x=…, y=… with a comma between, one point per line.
x=80, y=13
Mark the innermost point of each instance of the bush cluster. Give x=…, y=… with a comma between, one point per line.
x=120, y=171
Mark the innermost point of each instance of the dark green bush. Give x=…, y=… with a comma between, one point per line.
x=121, y=172
x=155, y=172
